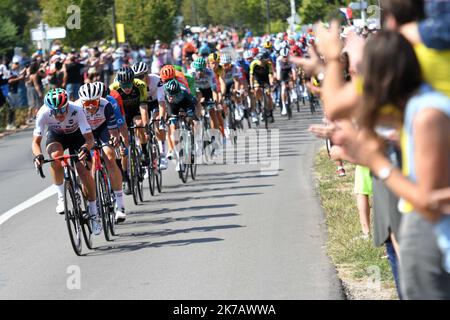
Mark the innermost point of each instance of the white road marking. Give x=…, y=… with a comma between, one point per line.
x=28, y=203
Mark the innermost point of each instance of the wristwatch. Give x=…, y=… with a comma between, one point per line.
x=384, y=173
x=321, y=76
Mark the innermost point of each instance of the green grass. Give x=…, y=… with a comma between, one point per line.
x=339, y=203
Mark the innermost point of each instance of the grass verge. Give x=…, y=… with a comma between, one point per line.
x=361, y=266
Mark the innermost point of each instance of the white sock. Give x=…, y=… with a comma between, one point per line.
x=339, y=168
x=60, y=189
x=119, y=199
x=93, y=208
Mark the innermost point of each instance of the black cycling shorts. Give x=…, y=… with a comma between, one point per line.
x=130, y=114
x=101, y=134
x=206, y=93
x=72, y=141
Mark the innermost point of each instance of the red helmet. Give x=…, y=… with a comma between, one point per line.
x=255, y=51
x=167, y=73
x=296, y=51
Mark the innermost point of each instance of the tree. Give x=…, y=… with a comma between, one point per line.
x=312, y=11
x=8, y=31
x=147, y=20
x=95, y=19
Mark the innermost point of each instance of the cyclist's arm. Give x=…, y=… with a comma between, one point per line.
x=89, y=137
x=36, y=145
x=223, y=85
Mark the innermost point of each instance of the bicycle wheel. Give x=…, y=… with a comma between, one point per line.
x=151, y=168
x=288, y=105
x=265, y=110
x=140, y=179
x=101, y=203
x=312, y=105
x=232, y=122
x=193, y=165
x=133, y=176
x=111, y=200
x=85, y=222
x=73, y=221
x=184, y=153
x=157, y=165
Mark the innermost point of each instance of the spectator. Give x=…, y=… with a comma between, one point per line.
x=35, y=89
x=73, y=77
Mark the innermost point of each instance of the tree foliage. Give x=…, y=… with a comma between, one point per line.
x=95, y=19
x=147, y=20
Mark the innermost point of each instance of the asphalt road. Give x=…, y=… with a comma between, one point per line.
x=234, y=233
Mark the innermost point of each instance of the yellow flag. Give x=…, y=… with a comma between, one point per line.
x=120, y=29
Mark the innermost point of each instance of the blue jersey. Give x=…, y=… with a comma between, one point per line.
x=116, y=108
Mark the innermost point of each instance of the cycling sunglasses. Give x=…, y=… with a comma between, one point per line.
x=126, y=85
x=55, y=112
x=90, y=104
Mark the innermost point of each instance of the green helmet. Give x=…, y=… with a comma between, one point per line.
x=172, y=87
x=56, y=99
x=199, y=64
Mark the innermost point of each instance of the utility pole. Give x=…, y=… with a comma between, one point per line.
x=114, y=23
x=293, y=13
x=268, y=16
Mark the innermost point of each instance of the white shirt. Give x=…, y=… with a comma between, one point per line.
x=74, y=120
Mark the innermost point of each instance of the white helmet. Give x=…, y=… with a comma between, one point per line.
x=225, y=59
x=140, y=69
x=284, y=52
x=248, y=54
x=89, y=91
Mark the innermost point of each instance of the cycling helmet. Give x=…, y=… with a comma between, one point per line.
x=267, y=45
x=263, y=55
x=172, y=87
x=125, y=75
x=103, y=89
x=199, y=64
x=255, y=52
x=248, y=54
x=204, y=51
x=284, y=52
x=140, y=69
x=56, y=99
x=296, y=51
x=225, y=59
x=167, y=73
x=89, y=91
x=214, y=57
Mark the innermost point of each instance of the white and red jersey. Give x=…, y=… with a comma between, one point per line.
x=105, y=113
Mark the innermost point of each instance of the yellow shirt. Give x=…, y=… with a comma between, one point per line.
x=435, y=66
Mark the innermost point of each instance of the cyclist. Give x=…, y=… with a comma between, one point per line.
x=134, y=96
x=116, y=101
x=101, y=117
x=285, y=71
x=156, y=105
x=177, y=98
x=261, y=77
x=230, y=81
x=168, y=73
x=207, y=93
x=67, y=129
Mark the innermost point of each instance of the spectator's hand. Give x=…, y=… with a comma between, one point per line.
x=311, y=65
x=328, y=41
x=355, y=49
x=356, y=146
x=323, y=131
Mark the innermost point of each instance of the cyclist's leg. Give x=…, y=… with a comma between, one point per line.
x=55, y=149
